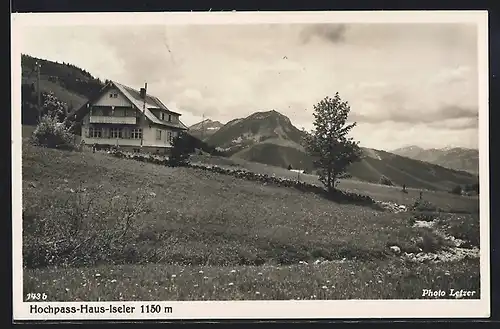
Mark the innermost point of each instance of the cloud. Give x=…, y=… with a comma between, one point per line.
x=394, y=76
x=333, y=33
x=417, y=116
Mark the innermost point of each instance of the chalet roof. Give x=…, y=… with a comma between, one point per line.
x=152, y=103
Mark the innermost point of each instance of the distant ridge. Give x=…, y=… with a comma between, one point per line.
x=205, y=128
x=457, y=158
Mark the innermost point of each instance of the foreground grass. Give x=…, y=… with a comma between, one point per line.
x=393, y=279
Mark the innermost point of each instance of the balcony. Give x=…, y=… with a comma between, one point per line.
x=115, y=120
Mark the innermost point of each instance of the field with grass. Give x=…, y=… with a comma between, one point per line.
x=97, y=227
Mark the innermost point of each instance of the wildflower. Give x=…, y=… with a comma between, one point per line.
x=327, y=281
x=231, y=284
x=324, y=287
x=67, y=289
x=113, y=281
x=174, y=276
x=201, y=272
x=233, y=271
x=195, y=286
x=97, y=275
x=446, y=273
x=205, y=277
x=259, y=273
x=257, y=293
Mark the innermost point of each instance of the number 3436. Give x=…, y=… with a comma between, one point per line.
x=36, y=296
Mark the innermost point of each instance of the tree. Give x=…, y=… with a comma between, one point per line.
x=181, y=149
x=456, y=190
x=328, y=143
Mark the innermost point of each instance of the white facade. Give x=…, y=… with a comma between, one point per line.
x=114, y=120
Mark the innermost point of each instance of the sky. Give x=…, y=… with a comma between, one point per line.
x=407, y=84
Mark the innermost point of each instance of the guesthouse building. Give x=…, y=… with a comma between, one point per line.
x=129, y=119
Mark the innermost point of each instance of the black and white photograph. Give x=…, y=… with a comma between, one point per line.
x=201, y=165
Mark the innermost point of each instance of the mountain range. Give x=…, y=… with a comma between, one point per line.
x=269, y=137
x=450, y=157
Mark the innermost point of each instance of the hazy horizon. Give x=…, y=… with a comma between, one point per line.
x=407, y=84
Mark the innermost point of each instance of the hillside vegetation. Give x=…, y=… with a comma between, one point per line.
x=70, y=84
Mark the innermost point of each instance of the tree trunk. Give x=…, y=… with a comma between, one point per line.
x=329, y=180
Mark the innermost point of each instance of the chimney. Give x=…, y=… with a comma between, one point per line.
x=143, y=91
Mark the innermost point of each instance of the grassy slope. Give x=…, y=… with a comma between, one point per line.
x=62, y=93
x=443, y=200
x=413, y=173
x=219, y=223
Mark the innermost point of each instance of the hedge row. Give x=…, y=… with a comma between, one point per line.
x=336, y=195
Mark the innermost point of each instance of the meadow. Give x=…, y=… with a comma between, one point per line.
x=97, y=227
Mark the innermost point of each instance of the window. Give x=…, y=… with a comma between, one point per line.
x=95, y=132
x=105, y=112
x=158, y=134
x=113, y=95
x=162, y=116
x=169, y=118
x=116, y=133
x=136, y=133
x=169, y=137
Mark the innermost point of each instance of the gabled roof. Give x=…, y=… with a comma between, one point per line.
x=135, y=98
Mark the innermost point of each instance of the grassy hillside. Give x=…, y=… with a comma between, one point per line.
x=443, y=199
x=401, y=170
x=196, y=235
x=70, y=84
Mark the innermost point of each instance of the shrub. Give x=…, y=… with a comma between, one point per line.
x=53, y=134
x=430, y=242
x=181, y=150
x=385, y=181
x=456, y=190
x=423, y=205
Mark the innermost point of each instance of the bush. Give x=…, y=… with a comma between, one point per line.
x=53, y=134
x=456, y=190
x=385, y=181
x=182, y=148
x=424, y=206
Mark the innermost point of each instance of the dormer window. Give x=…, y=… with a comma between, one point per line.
x=113, y=95
x=169, y=118
x=162, y=116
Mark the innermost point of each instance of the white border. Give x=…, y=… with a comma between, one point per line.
x=263, y=309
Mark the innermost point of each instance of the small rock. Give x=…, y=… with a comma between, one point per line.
x=395, y=249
